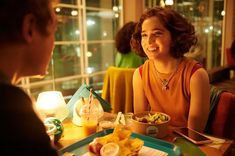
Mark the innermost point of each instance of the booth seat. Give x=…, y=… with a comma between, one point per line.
x=221, y=120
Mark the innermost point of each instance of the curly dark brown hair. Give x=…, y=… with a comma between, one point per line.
x=182, y=31
x=12, y=13
x=123, y=37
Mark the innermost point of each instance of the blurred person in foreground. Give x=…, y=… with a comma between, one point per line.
x=26, y=42
x=125, y=57
x=168, y=82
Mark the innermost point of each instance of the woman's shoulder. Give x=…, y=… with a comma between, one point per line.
x=194, y=69
x=190, y=64
x=141, y=67
x=188, y=61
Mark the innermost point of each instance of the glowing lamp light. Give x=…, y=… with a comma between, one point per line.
x=74, y=13
x=52, y=104
x=169, y=2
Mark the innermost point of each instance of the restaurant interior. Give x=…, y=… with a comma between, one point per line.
x=84, y=46
x=84, y=56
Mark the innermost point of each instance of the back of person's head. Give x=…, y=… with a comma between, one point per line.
x=12, y=13
x=123, y=37
x=182, y=32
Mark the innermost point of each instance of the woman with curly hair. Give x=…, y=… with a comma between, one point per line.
x=125, y=57
x=168, y=82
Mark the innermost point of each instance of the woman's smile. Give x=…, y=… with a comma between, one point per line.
x=152, y=49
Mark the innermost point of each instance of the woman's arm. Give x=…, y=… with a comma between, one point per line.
x=140, y=101
x=200, y=100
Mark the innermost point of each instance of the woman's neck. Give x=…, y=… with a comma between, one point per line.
x=166, y=66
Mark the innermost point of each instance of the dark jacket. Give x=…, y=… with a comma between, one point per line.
x=21, y=130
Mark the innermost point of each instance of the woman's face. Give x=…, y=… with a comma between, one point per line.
x=156, y=39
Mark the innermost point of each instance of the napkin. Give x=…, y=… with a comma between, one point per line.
x=217, y=142
x=147, y=151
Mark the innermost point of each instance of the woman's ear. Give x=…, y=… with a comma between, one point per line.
x=28, y=27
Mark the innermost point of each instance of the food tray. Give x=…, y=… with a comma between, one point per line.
x=81, y=147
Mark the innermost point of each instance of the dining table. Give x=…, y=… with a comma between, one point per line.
x=73, y=133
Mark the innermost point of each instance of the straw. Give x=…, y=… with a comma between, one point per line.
x=90, y=101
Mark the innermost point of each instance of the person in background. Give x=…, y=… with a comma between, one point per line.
x=26, y=42
x=125, y=57
x=169, y=82
x=233, y=49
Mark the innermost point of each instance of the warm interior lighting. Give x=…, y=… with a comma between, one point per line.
x=52, y=104
x=162, y=3
x=169, y=2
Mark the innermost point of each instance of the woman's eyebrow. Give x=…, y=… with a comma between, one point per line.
x=158, y=29
x=155, y=29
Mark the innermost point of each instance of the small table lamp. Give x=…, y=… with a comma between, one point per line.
x=52, y=104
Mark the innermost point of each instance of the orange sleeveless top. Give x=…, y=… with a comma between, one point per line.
x=175, y=101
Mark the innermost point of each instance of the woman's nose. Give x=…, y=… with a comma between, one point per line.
x=151, y=39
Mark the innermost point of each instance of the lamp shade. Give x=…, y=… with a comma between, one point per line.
x=52, y=104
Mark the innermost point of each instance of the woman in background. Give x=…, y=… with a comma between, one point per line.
x=168, y=82
x=125, y=57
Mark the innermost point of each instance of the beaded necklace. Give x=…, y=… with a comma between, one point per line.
x=165, y=82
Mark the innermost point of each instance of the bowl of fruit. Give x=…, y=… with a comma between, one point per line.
x=150, y=123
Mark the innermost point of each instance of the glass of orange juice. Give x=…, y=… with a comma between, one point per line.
x=89, y=123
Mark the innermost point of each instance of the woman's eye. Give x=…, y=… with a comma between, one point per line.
x=157, y=33
x=143, y=35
